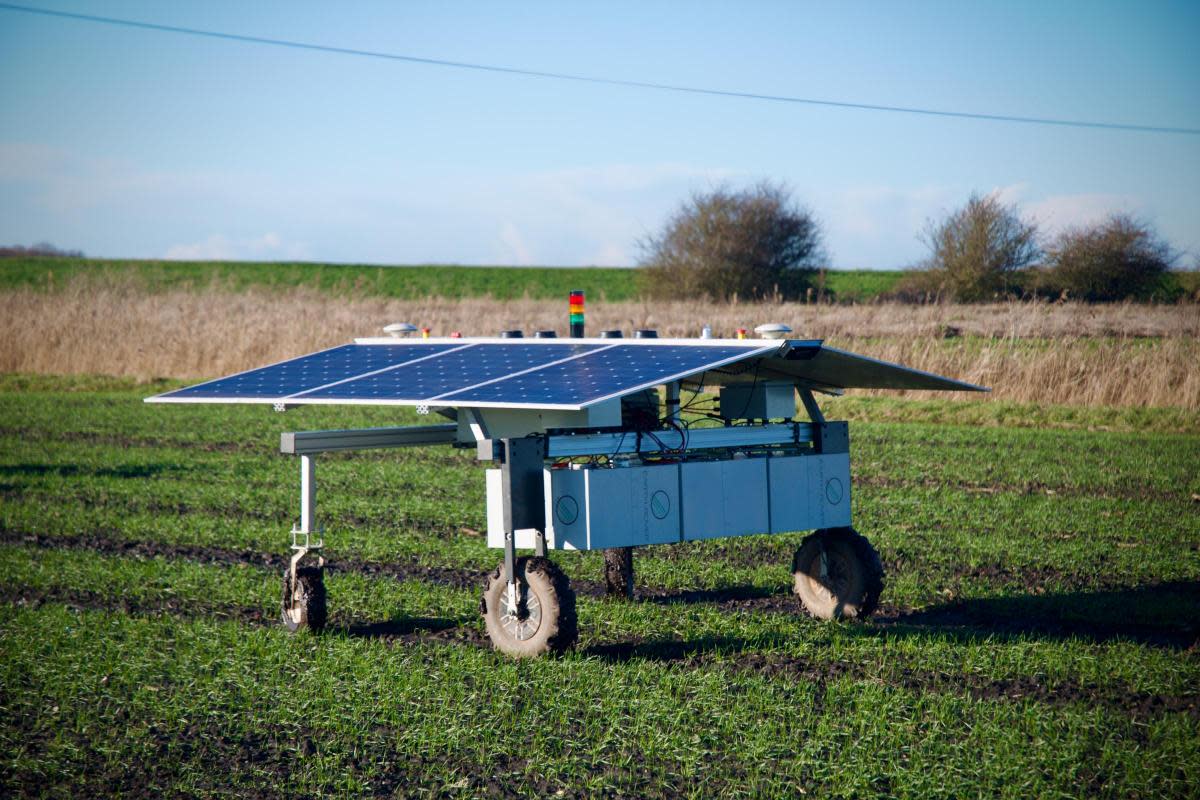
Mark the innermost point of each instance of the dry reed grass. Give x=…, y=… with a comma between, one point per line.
x=1039, y=353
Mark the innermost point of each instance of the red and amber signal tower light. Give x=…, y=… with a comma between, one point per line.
x=576, y=314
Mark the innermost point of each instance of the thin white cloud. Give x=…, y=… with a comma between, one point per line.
x=870, y=227
x=612, y=254
x=1013, y=194
x=514, y=250
x=219, y=247
x=65, y=182
x=1055, y=212
x=1061, y=211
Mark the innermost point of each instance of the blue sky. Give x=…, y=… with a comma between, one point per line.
x=131, y=143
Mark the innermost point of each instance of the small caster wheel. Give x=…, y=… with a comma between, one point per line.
x=305, y=607
x=542, y=620
x=836, y=573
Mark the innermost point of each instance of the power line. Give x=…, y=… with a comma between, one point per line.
x=565, y=76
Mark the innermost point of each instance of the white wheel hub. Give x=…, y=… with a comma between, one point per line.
x=520, y=624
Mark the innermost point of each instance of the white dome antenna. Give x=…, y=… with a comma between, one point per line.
x=399, y=329
x=773, y=330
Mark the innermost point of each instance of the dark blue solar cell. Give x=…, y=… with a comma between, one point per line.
x=600, y=374
x=450, y=372
x=310, y=372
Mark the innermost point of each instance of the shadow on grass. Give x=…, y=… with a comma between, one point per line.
x=395, y=627
x=726, y=594
x=1165, y=615
x=669, y=650
x=1161, y=615
x=71, y=470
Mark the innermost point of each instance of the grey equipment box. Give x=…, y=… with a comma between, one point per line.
x=768, y=400
x=765, y=495
x=590, y=509
x=594, y=508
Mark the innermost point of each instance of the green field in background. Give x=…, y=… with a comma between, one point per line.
x=405, y=282
x=415, y=281
x=1037, y=636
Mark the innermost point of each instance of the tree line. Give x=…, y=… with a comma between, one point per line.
x=759, y=242
x=39, y=250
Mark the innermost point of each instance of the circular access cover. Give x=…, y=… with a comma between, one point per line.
x=660, y=504
x=566, y=509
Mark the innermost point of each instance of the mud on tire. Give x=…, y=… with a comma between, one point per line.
x=545, y=622
x=305, y=608
x=852, y=579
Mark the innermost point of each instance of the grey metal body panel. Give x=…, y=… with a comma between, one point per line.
x=725, y=498
x=621, y=507
x=809, y=492
x=521, y=484
x=525, y=537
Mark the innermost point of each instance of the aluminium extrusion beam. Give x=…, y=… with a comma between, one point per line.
x=611, y=444
x=308, y=442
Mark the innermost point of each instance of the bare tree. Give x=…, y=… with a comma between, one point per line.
x=751, y=243
x=1117, y=259
x=976, y=251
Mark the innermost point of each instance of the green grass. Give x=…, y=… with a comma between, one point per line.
x=1037, y=636
x=1188, y=281
x=403, y=282
x=861, y=285
x=613, y=284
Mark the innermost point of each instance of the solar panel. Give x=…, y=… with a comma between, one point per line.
x=559, y=374
x=451, y=372
x=553, y=374
x=598, y=376
x=306, y=373
x=828, y=367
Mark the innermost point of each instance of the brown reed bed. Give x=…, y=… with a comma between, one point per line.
x=1117, y=355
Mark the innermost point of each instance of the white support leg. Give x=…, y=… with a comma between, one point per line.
x=302, y=543
x=308, y=494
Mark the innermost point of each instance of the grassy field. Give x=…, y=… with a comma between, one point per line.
x=1045, y=353
x=396, y=282
x=409, y=282
x=1038, y=635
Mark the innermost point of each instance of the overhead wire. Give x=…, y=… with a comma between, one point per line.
x=593, y=79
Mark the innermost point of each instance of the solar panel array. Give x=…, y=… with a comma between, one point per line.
x=543, y=375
